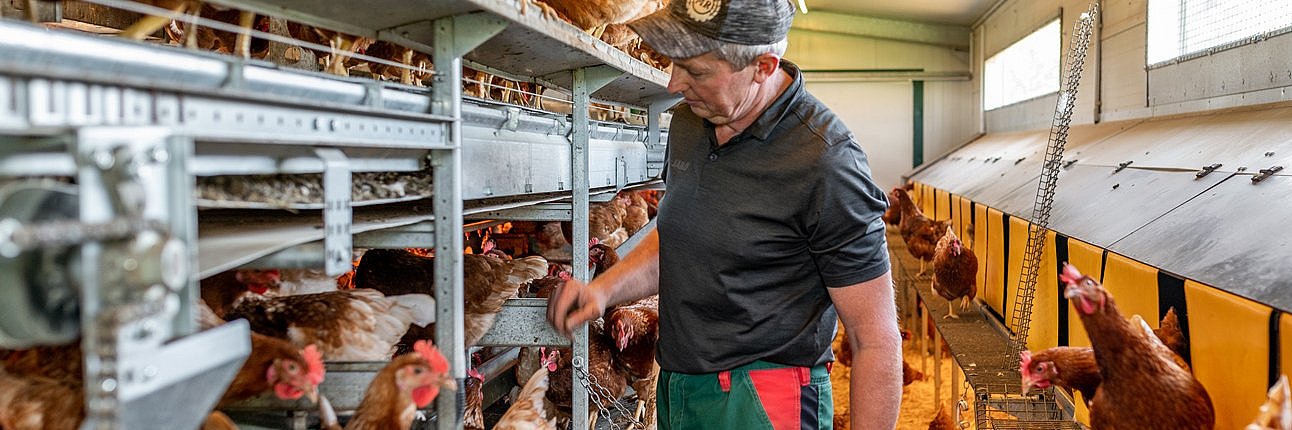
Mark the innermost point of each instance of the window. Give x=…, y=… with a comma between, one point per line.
x=1027, y=69
x=1180, y=28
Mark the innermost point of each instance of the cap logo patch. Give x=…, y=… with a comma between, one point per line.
x=703, y=10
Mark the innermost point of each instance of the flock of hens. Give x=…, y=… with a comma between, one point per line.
x=1131, y=377
x=383, y=312
x=603, y=19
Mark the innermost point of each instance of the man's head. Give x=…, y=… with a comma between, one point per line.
x=722, y=51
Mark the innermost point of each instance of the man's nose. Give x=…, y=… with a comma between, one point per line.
x=675, y=84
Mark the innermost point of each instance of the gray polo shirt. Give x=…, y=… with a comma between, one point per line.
x=753, y=233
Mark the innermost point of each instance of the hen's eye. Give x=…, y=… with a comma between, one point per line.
x=418, y=370
x=291, y=367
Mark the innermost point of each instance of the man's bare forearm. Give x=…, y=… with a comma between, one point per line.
x=636, y=276
x=869, y=317
x=876, y=395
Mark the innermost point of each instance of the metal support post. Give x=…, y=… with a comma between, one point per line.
x=922, y=313
x=454, y=37
x=586, y=81
x=654, y=136
x=937, y=367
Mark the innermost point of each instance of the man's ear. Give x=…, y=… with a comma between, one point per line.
x=765, y=66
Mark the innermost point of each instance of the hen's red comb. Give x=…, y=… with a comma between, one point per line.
x=313, y=364
x=432, y=356
x=1026, y=365
x=1070, y=274
x=475, y=374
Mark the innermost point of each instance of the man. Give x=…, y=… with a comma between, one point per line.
x=770, y=224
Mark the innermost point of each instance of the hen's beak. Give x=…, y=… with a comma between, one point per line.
x=312, y=393
x=449, y=384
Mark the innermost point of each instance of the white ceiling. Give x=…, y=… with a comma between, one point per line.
x=958, y=12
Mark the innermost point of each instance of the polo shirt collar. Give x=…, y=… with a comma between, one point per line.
x=767, y=121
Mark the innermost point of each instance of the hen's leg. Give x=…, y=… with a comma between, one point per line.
x=243, y=40
x=964, y=303
x=406, y=74
x=592, y=419
x=951, y=307
x=190, y=29
x=921, y=268
x=149, y=24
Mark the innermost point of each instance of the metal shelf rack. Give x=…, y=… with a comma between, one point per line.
x=86, y=107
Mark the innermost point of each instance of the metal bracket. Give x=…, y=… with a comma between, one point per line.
x=1122, y=166
x=372, y=94
x=336, y=211
x=1206, y=170
x=655, y=135
x=598, y=77
x=513, y=118
x=1266, y=173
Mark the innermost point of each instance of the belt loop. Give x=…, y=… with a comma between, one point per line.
x=724, y=379
x=805, y=376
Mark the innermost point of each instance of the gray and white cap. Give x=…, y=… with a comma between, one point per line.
x=687, y=28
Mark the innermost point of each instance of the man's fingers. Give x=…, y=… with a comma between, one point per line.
x=564, y=299
x=551, y=304
x=581, y=315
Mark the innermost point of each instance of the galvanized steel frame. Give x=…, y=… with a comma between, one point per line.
x=49, y=98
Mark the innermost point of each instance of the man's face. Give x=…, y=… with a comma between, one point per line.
x=713, y=89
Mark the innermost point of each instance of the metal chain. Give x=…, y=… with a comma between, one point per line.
x=962, y=405
x=104, y=401
x=599, y=394
x=1022, y=316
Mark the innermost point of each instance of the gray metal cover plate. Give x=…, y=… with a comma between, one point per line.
x=1232, y=237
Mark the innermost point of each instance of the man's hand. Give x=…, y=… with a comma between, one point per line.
x=573, y=304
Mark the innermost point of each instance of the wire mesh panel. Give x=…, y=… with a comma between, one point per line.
x=996, y=409
x=996, y=403
x=1181, y=29
x=1022, y=316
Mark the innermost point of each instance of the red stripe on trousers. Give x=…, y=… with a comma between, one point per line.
x=779, y=390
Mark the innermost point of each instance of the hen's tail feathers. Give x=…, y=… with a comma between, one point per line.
x=327, y=415
x=526, y=269
x=206, y=318
x=1171, y=334
x=420, y=307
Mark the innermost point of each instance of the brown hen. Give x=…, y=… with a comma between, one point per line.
x=955, y=272
x=920, y=233
x=635, y=331
x=36, y=403
x=353, y=325
x=1143, y=384
x=488, y=282
x=410, y=382
x=1074, y=368
x=529, y=412
x=593, y=16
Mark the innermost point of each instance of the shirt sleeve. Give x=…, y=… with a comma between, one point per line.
x=848, y=241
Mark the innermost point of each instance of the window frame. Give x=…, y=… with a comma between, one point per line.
x=1056, y=20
